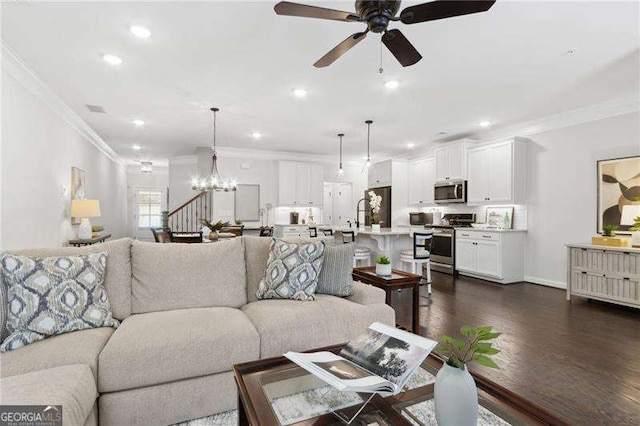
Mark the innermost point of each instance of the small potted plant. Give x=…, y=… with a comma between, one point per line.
x=609, y=230
x=375, y=202
x=214, y=228
x=96, y=230
x=455, y=395
x=383, y=266
x=635, y=233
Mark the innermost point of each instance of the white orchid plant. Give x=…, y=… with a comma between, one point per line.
x=375, y=201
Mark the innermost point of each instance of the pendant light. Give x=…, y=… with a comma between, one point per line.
x=368, y=163
x=214, y=181
x=340, y=170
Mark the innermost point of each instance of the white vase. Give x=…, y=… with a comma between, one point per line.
x=455, y=397
x=383, y=270
x=375, y=227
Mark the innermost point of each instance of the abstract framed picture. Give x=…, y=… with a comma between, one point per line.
x=618, y=186
x=500, y=217
x=77, y=188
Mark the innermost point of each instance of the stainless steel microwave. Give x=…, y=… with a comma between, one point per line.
x=454, y=191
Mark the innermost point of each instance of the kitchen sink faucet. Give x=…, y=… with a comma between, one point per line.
x=358, y=212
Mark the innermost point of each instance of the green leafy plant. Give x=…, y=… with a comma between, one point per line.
x=636, y=225
x=97, y=228
x=383, y=260
x=214, y=227
x=609, y=230
x=475, y=346
x=238, y=222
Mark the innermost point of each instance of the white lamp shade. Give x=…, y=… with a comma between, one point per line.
x=629, y=213
x=85, y=208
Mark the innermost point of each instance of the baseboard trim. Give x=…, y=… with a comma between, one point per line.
x=548, y=283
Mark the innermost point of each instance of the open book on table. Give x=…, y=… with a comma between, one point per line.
x=381, y=360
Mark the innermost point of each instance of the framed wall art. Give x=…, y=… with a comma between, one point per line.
x=77, y=188
x=500, y=217
x=618, y=186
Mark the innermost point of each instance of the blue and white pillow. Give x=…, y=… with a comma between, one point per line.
x=53, y=295
x=292, y=270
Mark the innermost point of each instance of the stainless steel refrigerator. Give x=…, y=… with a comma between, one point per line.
x=385, y=207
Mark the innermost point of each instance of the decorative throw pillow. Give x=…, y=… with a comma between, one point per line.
x=292, y=270
x=337, y=268
x=53, y=295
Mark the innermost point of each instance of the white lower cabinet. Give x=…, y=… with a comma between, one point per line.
x=491, y=255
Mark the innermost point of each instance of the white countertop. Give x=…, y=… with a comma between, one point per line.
x=501, y=230
x=383, y=231
x=628, y=249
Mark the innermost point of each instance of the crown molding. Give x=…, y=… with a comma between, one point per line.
x=28, y=78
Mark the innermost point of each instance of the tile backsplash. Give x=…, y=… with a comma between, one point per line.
x=519, y=212
x=282, y=214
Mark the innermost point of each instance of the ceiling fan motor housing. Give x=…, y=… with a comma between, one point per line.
x=377, y=13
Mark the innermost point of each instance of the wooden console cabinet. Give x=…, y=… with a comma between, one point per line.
x=611, y=274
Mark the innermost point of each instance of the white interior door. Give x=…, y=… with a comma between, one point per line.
x=147, y=211
x=327, y=203
x=343, y=202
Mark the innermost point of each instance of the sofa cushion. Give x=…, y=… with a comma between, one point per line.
x=53, y=295
x=288, y=325
x=256, y=253
x=79, y=347
x=117, y=280
x=292, y=270
x=161, y=347
x=181, y=276
x=366, y=294
x=337, y=268
x=71, y=386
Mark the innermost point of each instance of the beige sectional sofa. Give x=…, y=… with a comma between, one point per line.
x=188, y=313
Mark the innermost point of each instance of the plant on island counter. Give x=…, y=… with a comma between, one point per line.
x=475, y=347
x=609, y=230
x=375, y=201
x=383, y=260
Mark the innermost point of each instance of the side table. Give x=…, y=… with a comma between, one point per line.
x=397, y=280
x=89, y=241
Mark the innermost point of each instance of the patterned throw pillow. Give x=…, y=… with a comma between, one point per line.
x=53, y=295
x=337, y=269
x=292, y=270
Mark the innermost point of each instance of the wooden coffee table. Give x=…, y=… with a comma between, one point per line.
x=270, y=392
x=397, y=280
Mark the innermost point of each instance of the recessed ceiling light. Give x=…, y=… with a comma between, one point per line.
x=112, y=59
x=256, y=135
x=138, y=122
x=139, y=31
x=411, y=145
x=301, y=93
x=392, y=84
x=485, y=123
x=136, y=147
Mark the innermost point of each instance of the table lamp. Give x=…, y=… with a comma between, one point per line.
x=84, y=209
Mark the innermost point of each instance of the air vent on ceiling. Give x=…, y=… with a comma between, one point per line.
x=96, y=108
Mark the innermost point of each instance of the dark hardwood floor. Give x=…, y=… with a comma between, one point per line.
x=578, y=359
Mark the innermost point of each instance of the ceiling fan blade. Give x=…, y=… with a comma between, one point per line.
x=441, y=9
x=340, y=50
x=305, y=11
x=401, y=48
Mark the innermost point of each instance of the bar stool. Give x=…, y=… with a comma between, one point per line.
x=420, y=254
x=359, y=253
x=313, y=231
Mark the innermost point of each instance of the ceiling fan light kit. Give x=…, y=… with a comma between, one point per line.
x=377, y=15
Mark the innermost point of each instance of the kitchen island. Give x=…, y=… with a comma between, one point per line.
x=386, y=242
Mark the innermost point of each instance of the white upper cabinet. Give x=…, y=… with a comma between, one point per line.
x=421, y=179
x=497, y=173
x=299, y=184
x=379, y=174
x=451, y=161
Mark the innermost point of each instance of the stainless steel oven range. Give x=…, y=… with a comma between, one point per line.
x=443, y=245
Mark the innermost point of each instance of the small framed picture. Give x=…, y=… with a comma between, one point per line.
x=500, y=217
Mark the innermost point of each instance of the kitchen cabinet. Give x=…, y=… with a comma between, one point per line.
x=421, y=179
x=451, y=161
x=291, y=231
x=496, y=173
x=299, y=184
x=491, y=255
x=379, y=174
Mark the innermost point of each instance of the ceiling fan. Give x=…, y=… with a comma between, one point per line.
x=377, y=14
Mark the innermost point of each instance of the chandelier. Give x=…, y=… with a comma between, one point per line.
x=213, y=182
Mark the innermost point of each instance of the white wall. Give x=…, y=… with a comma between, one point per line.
x=38, y=150
x=562, y=189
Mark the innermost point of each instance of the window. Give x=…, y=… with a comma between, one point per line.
x=149, y=209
